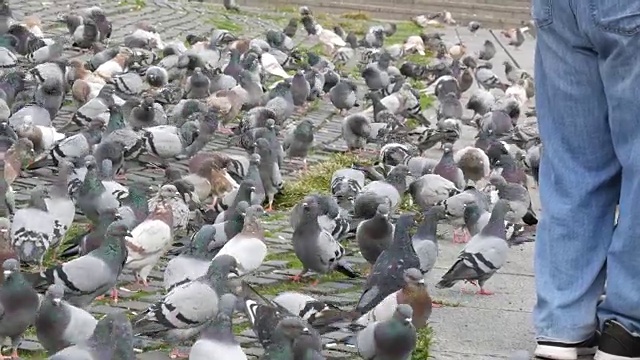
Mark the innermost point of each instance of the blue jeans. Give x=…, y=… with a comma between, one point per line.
x=588, y=105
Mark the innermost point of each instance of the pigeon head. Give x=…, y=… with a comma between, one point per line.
x=147, y=103
x=222, y=265
x=310, y=205
x=9, y=267
x=413, y=276
x=497, y=180
x=383, y=210
x=254, y=159
x=242, y=207
x=291, y=327
x=118, y=229
x=55, y=293
x=169, y=192
x=255, y=211
x=404, y=314
x=448, y=148
x=171, y=173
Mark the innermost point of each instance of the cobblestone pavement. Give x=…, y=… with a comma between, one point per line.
x=467, y=326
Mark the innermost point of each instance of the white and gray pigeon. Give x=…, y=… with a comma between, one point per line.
x=78, y=145
x=485, y=253
x=315, y=312
x=95, y=195
x=425, y=240
x=217, y=337
x=60, y=324
x=104, y=264
x=187, y=309
x=488, y=79
x=31, y=239
x=19, y=303
x=393, y=339
x=315, y=247
x=112, y=338
x=196, y=257
x=96, y=108
x=59, y=205
x=169, y=195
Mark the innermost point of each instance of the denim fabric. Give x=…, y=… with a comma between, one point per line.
x=587, y=73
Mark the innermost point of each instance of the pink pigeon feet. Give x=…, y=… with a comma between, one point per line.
x=484, y=292
x=461, y=236
x=224, y=130
x=176, y=354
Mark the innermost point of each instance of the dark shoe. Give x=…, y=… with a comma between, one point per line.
x=563, y=351
x=617, y=343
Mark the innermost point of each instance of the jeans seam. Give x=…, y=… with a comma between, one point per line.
x=599, y=25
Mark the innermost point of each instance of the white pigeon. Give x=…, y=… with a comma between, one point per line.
x=271, y=65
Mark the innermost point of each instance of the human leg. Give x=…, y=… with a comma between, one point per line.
x=615, y=32
x=579, y=183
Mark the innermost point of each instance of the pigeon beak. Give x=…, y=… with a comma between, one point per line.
x=57, y=301
x=421, y=281
x=408, y=319
x=7, y=272
x=305, y=330
x=128, y=234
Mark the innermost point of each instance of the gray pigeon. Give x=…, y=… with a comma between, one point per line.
x=375, y=77
x=488, y=51
x=269, y=170
x=356, y=129
x=485, y=253
x=243, y=194
x=198, y=85
x=19, y=303
x=59, y=324
x=450, y=107
x=393, y=339
x=217, y=337
x=300, y=89
x=488, y=79
x=59, y=205
x=386, y=275
x=425, y=240
x=96, y=108
x=188, y=308
x=50, y=95
x=285, y=334
x=31, y=239
x=475, y=218
x=129, y=84
x=329, y=217
x=95, y=195
x=343, y=96
x=375, y=235
x=105, y=264
x=388, y=191
x=298, y=141
x=448, y=169
x=517, y=196
x=112, y=338
x=480, y=102
x=315, y=247
x=345, y=185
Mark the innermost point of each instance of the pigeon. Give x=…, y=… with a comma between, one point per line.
x=344, y=95
x=6, y=250
x=315, y=312
x=59, y=205
x=96, y=108
x=356, y=129
x=386, y=275
x=284, y=336
x=329, y=216
x=269, y=170
x=388, y=191
x=473, y=162
x=248, y=247
x=485, y=253
x=32, y=239
x=474, y=26
x=105, y=264
x=149, y=241
x=315, y=247
x=488, y=51
x=300, y=89
x=78, y=145
x=298, y=141
x=517, y=196
x=95, y=195
x=217, y=337
x=112, y=338
x=60, y=324
x=345, y=185
x=194, y=261
x=188, y=308
x=448, y=169
x=425, y=240
x=19, y=303
x=374, y=235
x=243, y=194
x=170, y=197
x=389, y=339
x=414, y=293
x=430, y=189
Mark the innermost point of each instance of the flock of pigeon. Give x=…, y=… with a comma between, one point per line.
x=156, y=102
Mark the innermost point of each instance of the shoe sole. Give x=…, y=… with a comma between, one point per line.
x=604, y=356
x=560, y=353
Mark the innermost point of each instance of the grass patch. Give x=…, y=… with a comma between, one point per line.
x=317, y=179
x=287, y=9
x=419, y=59
x=74, y=230
x=226, y=24
x=423, y=343
x=426, y=101
x=35, y=355
x=137, y=4
x=240, y=327
x=279, y=287
x=356, y=16
x=292, y=260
